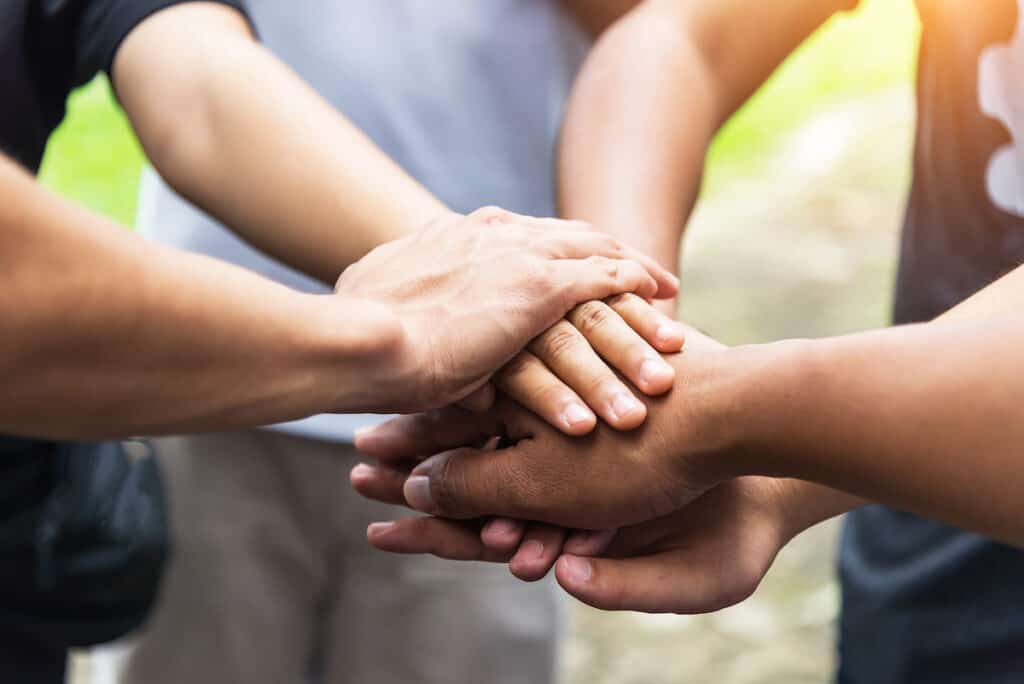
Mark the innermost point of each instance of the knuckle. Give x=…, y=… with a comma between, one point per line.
x=615, y=247
x=558, y=342
x=590, y=316
x=611, y=268
x=490, y=214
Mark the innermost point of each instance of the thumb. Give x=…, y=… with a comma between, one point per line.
x=668, y=582
x=470, y=483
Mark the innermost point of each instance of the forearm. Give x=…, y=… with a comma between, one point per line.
x=925, y=419
x=258, y=148
x=633, y=142
x=106, y=335
x=655, y=89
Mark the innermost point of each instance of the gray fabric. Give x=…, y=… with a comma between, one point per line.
x=272, y=567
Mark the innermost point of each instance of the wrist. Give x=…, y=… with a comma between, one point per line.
x=353, y=349
x=771, y=384
x=748, y=405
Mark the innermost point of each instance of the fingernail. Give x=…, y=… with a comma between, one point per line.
x=376, y=529
x=576, y=415
x=365, y=430
x=417, y=493
x=503, y=527
x=654, y=371
x=624, y=405
x=577, y=570
x=533, y=549
x=362, y=470
x=669, y=332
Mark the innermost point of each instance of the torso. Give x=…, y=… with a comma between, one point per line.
x=965, y=218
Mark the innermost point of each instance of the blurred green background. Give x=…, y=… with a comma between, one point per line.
x=94, y=158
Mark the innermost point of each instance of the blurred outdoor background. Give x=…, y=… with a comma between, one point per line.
x=796, y=235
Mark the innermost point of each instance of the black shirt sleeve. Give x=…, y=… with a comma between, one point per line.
x=104, y=24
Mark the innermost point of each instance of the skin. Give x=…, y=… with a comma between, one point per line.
x=625, y=162
x=788, y=434
x=163, y=355
x=795, y=432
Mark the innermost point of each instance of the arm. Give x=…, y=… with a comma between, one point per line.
x=237, y=132
x=628, y=166
x=105, y=334
x=923, y=418
x=654, y=91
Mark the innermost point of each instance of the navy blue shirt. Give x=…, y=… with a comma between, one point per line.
x=922, y=601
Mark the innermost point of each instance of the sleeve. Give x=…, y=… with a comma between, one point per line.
x=104, y=24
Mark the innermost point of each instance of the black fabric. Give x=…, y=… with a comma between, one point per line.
x=82, y=544
x=922, y=601
x=26, y=661
x=48, y=47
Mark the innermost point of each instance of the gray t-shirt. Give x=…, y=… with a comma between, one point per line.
x=466, y=95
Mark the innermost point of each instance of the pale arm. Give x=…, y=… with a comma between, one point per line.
x=652, y=94
x=237, y=132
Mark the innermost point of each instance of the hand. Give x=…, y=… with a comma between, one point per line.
x=471, y=292
x=604, y=480
x=704, y=557
x=568, y=370
x=701, y=558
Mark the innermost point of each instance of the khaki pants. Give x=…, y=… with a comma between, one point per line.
x=272, y=571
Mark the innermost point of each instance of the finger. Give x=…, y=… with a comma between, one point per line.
x=622, y=347
x=589, y=542
x=442, y=538
x=660, y=330
x=582, y=240
x=580, y=280
x=503, y=535
x=424, y=434
x=570, y=359
x=529, y=382
x=514, y=482
x=662, y=583
x=480, y=400
x=542, y=544
x=380, y=483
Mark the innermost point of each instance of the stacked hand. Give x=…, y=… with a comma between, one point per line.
x=466, y=295
x=689, y=538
